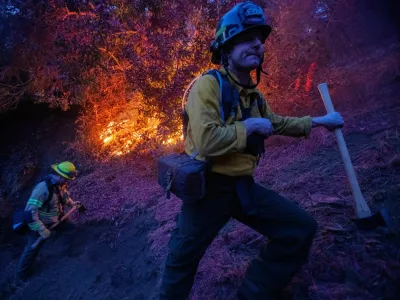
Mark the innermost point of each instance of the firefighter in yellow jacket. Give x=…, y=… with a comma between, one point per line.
x=231, y=191
x=45, y=207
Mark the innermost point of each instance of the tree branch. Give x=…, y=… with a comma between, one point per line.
x=113, y=57
x=69, y=14
x=129, y=32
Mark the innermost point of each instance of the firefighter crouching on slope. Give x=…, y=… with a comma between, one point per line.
x=46, y=206
x=238, y=46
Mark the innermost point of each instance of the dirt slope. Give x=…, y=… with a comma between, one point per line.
x=119, y=250
x=97, y=263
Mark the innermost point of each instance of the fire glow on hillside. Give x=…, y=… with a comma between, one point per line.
x=122, y=137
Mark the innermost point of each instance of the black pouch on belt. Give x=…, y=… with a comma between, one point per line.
x=245, y=194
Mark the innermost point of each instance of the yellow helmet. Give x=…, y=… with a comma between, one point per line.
x=66, y=169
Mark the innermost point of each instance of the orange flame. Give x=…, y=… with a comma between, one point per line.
x=310, y=76
x=297, y=83
x=124, y=136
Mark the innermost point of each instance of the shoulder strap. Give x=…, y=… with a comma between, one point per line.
x=228, y=100
x=185, y=122
x=228, y=95
x=51, y=192
x=246, y=112
x=260, y=104
x=218, y=77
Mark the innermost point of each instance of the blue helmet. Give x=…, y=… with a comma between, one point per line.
x=242, y=17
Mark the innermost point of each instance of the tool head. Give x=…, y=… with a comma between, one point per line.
x=381, y=218
x=81, y=208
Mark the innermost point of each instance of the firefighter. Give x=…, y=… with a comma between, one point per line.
x=45, y=207
x=233, y=147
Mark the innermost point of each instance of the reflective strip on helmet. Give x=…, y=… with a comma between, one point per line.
x=71, y=174
x=220, y=31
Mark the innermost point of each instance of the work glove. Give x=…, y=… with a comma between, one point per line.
x=45, y=233
x=330, y=121
x=261, y=126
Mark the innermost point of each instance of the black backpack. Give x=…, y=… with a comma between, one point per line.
x=22, y=218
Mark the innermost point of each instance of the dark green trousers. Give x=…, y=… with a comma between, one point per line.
x=28, y=257
x=289, y=228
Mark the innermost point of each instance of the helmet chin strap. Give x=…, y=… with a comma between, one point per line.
x=259, y=70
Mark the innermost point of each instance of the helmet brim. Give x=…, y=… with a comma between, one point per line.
x=216, y=54
x=55, y=168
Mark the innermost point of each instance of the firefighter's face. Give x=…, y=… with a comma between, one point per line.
x=247, y=51
x=61, y=180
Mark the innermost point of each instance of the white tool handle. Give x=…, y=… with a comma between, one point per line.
x=362, y=209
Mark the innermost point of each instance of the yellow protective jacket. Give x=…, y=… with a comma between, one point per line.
x=226, y=143
x=43, y=215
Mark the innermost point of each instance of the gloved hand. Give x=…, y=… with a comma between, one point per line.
x=330, y=121
x=259, y=125
x=45, y=233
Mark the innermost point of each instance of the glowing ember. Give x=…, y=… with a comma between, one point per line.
x=297, y=83
x=107, y=139
x=310, y=76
